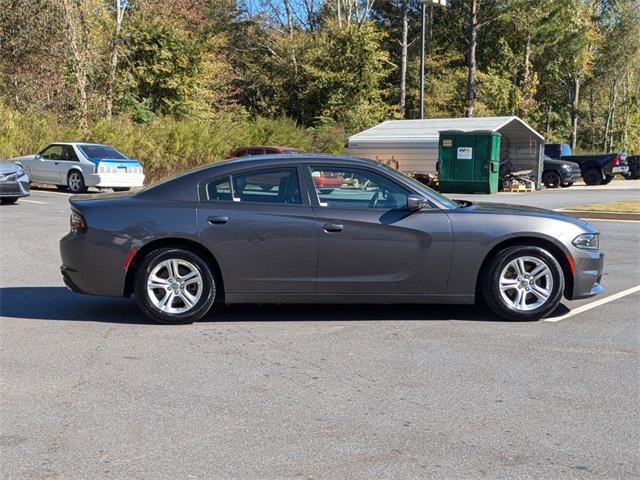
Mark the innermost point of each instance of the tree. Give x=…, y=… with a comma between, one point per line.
x=119, y=9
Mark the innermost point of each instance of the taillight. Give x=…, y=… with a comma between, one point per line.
x=616, y=160
x=77, y=222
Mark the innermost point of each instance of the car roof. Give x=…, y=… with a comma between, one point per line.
x=280, y=147
x=81, y=143
x=294, y=158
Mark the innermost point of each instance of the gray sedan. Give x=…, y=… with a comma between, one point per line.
x=14, y=183
x=269, y=229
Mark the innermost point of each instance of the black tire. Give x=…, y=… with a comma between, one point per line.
x=566, y=185
x=607, y=179
x=146, y=304
x=75, y=182
x=121, y=189
x=592, y=176
x=551, y=179
x=8, y=200
x=490, y=283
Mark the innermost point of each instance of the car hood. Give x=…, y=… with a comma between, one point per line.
x=8, y=167
x=521, y=210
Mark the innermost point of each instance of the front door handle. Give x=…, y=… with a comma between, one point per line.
x=332, y=228
x=219, y=220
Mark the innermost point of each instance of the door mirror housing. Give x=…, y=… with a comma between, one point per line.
x=38, y=156
x=416, y=202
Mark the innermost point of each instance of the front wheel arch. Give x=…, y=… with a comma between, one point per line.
x=548, y=245
x=187, y=244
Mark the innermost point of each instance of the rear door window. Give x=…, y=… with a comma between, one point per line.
x=219, y=190
x=273, y=185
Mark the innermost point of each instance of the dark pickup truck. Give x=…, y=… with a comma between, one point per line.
x=559, y=173
x=596, y=169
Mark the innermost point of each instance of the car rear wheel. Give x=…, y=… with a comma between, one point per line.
x=523, y=283
x=8, y=200
x=551, y=179
x=592, y=176
x=75, y=182
x=174, y=286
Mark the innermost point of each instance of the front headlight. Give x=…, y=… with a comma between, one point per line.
x=566, y=167
x=20, y=171
x=588, y=241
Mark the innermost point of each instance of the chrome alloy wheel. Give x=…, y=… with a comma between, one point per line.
x=526, y=283
x=75, y=181
x=174, y=286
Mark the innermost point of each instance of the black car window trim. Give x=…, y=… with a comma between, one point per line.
x=391, y=179
x=204, y=193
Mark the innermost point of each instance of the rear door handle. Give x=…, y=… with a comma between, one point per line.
x=219, y=220
x=332, y=228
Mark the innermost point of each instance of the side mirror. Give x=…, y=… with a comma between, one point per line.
x=416, y=202
x=38, y=156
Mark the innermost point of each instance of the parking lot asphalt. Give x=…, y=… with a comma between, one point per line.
x=90, y=389
x=563, y=197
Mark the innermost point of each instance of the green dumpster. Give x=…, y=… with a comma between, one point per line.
x=469, y=161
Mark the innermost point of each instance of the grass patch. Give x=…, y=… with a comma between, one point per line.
x=622, y=206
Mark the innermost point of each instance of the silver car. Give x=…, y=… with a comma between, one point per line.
x=14, y=183
x=77, y=166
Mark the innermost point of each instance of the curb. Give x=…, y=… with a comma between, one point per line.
x=601, y=215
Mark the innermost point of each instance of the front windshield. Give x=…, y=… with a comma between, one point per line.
x=422, y=188
x=97, y=152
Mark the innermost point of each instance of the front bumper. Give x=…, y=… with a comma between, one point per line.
x=118, y=180
x=15, y=188
x=570, y=177
x=588, y=274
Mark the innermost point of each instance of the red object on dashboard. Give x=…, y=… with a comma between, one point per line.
x=327, y=179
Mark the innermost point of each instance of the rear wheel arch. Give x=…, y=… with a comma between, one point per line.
x=187, y=244
x=558, y=253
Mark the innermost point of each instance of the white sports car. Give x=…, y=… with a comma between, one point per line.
x=77, y=166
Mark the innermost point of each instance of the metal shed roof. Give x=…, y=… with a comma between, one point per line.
x=428, y=130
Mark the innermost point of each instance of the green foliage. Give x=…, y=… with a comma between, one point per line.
x=166, y=145
x=194, y=79
x=343, y=74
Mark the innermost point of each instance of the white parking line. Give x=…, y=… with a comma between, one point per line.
x=33, y=201
x=597, y=303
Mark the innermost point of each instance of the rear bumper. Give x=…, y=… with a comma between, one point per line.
x=588, y=275
x=91, y=265
x=118, y=180
x=620, y=169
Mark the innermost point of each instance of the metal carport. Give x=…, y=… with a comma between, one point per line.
x=412, y=145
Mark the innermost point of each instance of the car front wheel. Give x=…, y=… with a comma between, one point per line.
x=8, y=200
x=523, y=283
x=75, y=182
x=174, y=286
x=551, y=179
